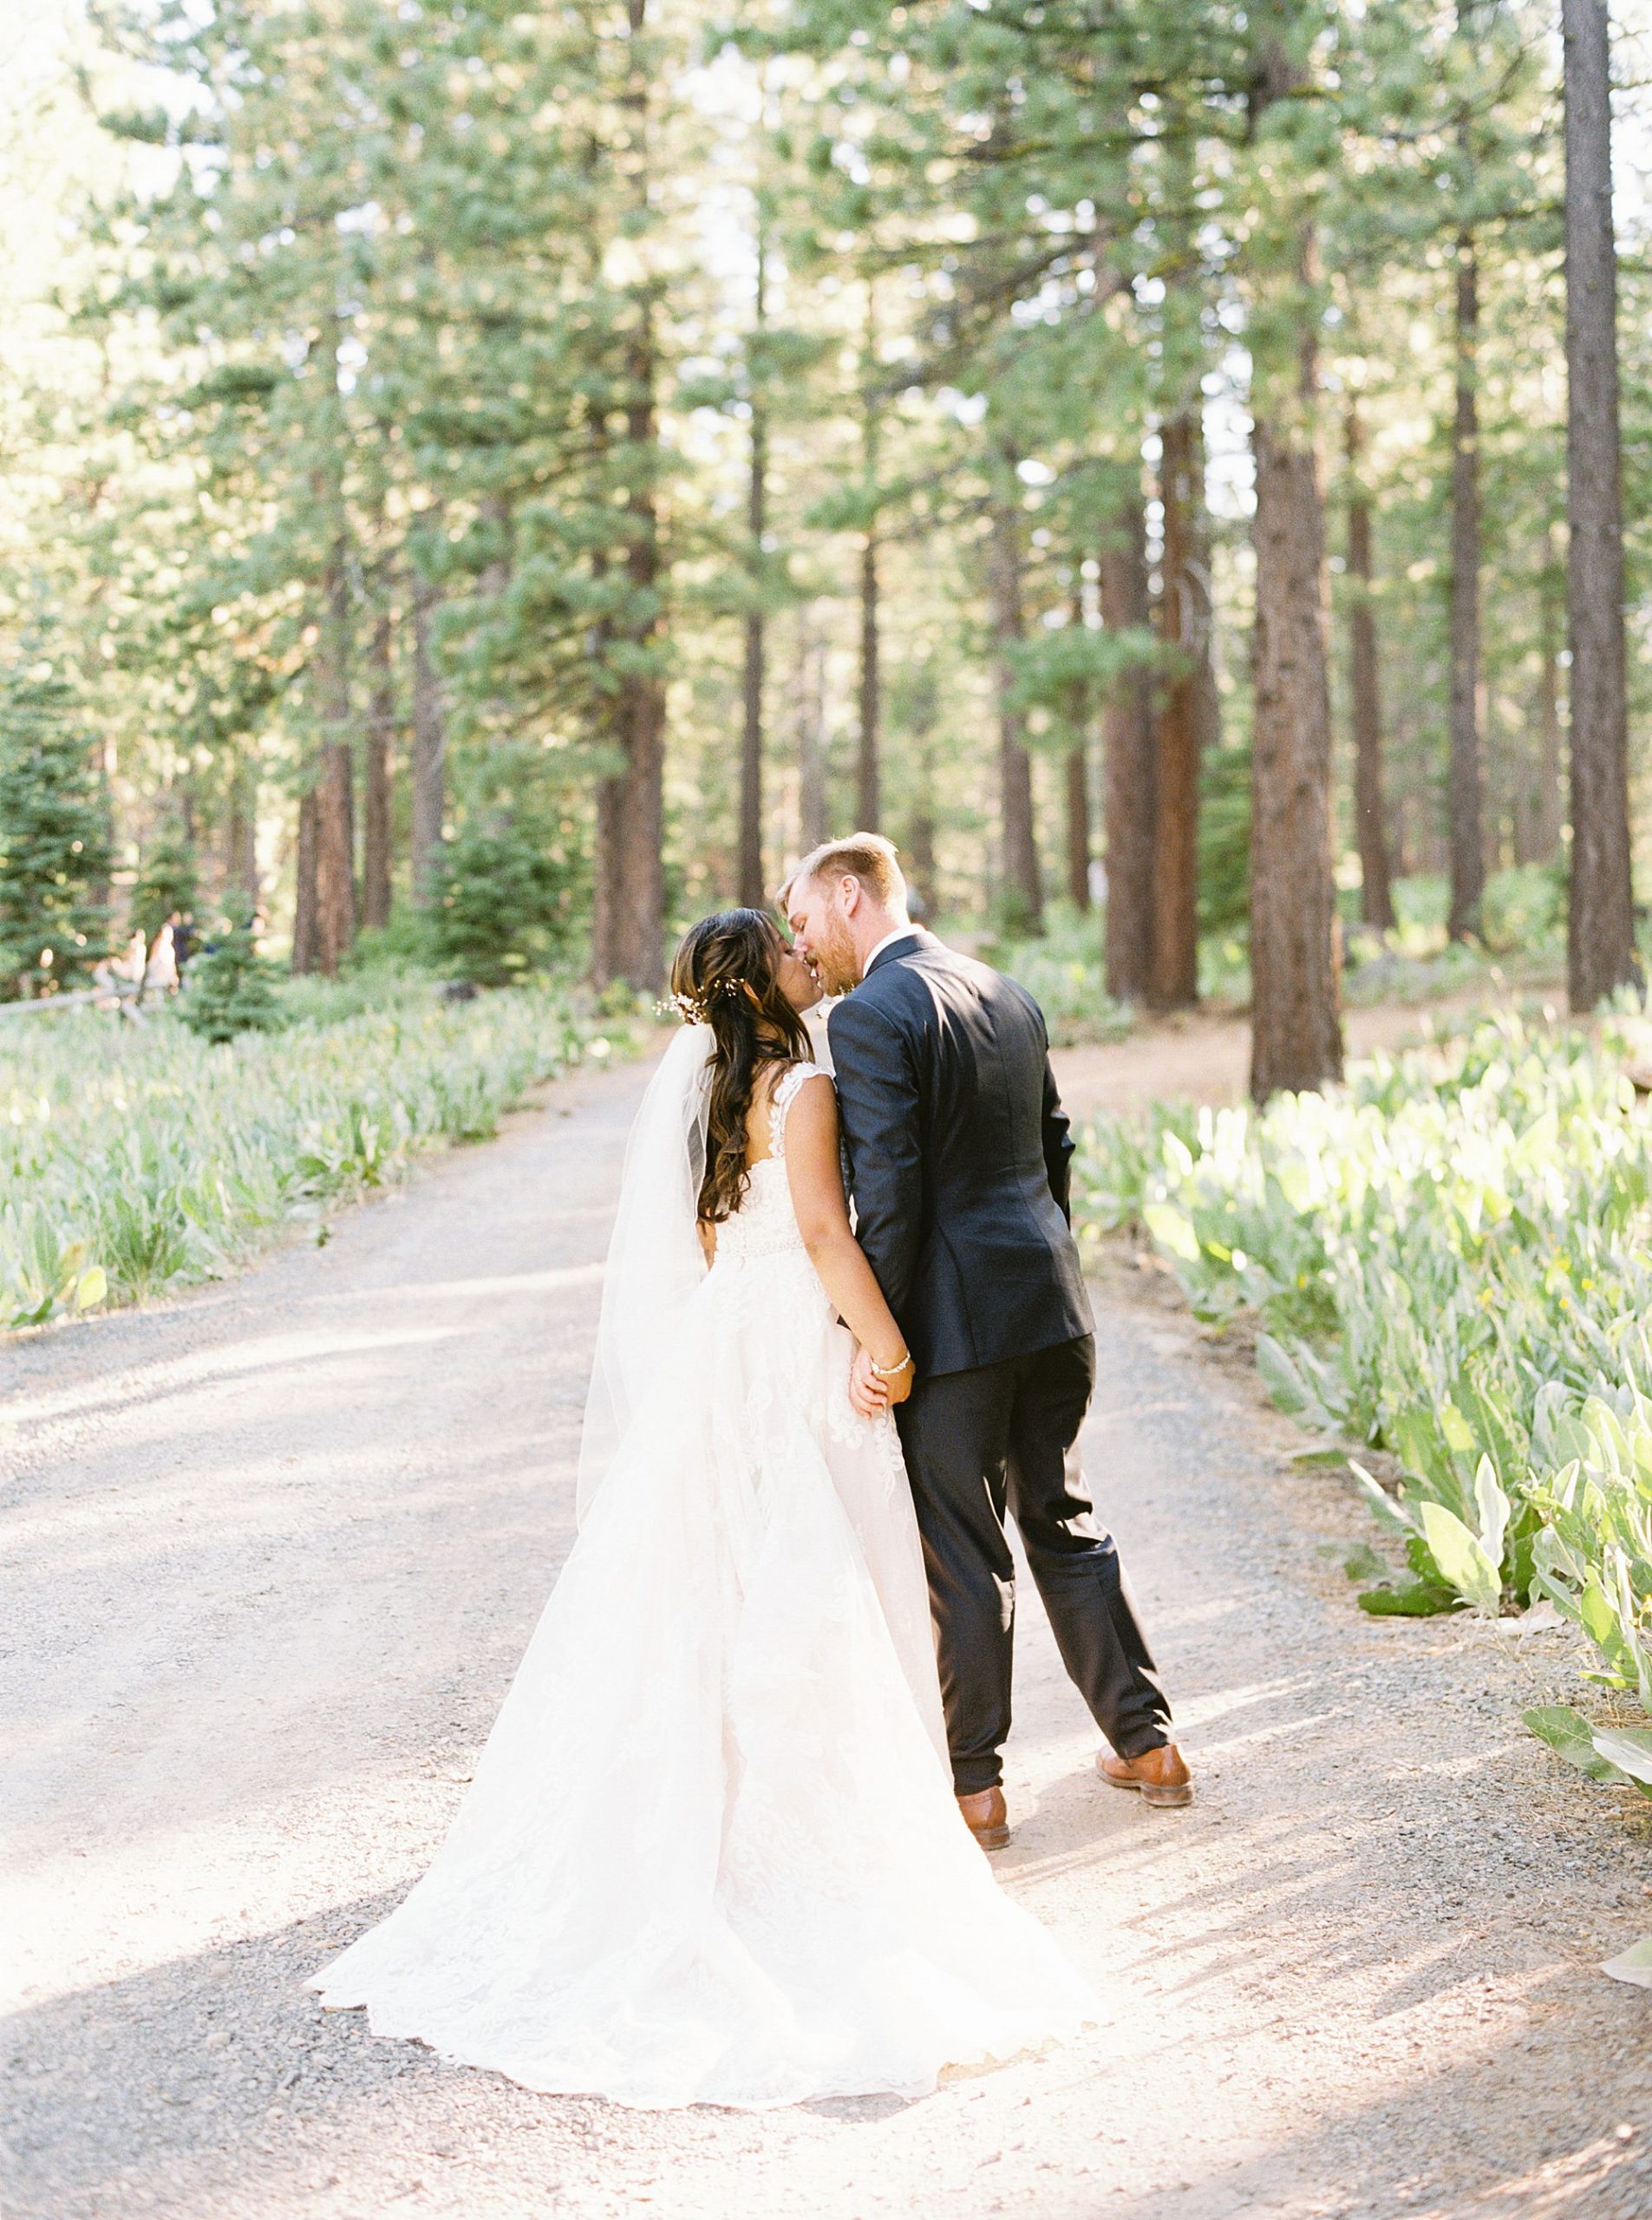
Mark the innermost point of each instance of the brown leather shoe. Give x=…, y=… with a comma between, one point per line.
x=987, y=1817
x=1160, y=1775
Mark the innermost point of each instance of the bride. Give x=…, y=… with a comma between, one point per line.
x=711, y=1852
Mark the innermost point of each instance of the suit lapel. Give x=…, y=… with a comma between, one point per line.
x=908, y=944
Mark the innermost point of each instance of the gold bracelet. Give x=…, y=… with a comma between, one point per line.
x=894, y=1371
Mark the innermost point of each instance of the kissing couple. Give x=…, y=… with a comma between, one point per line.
x=724, y=1844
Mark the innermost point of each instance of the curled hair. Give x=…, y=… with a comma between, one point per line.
x=726, y=975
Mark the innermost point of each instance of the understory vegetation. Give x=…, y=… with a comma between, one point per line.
x=1449, y=1260
x=134, y=1159
x=1522, y=947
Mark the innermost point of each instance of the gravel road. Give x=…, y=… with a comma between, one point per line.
x=271, y=1552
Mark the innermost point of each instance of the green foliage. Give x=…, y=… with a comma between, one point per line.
x=504, y=901
x=1062, y=971
x=135, y=1159
x=166, y=881
x=53, y=843
x=1620, y=1760
x=230, y=988
x=1224, y=841
x=1452, y=1258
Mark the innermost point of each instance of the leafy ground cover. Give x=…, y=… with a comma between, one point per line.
x=134, y=1159
x=1062, y=970
x=1450, y=1259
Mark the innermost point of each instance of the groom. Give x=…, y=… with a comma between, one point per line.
x=959, y=1155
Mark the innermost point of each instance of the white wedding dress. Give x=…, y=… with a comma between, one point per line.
x=711, y=1852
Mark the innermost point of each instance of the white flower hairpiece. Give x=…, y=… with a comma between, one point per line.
x=695, y=1010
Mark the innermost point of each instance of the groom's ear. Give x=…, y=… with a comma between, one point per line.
x=850, y=891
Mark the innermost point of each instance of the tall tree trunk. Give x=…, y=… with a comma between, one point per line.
x=628, y=912
x=1128, y=768
x=1601, y=939
x=332, y=787
x=1370, y=821
x=333, y=790
x=377, y=837
x=1078, y=777
x=306, y=939
x=497, y=513
x=1172, y=981
x=869, y=800
x=868, y=770
x=1078, y=825
x=812, y=813
x=241, y=840
x=750, y=873
x=428, y=766
x=1296, y=1029
x=1467, y=789
x=628, y=916
x=1023, y=896
x=1548, y=814
x=920, y=835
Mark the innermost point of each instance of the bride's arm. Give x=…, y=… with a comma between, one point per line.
x=813, y=1172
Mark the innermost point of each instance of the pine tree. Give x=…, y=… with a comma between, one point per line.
x=230, y=988
x=53, y=849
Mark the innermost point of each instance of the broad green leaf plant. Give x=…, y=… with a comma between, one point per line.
x=1451, y=1259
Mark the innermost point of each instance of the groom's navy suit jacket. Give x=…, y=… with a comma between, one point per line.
x=959, y=1156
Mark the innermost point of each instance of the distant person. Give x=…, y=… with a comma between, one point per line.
x=183, y=940
x=161, y=972
x=131, y=964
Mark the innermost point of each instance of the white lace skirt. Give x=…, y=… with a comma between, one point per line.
x=711, y=1853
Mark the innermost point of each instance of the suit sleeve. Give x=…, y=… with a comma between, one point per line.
x=1059, y=1145
x=878, y=1104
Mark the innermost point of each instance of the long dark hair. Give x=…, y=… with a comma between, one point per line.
x=726, y=975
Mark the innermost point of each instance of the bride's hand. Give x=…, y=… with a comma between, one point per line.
x=867, y=1392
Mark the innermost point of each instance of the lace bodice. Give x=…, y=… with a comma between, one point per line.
x=765, y=1224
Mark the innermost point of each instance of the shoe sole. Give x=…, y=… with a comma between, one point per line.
x=992, y=1838
x=1162, y=1799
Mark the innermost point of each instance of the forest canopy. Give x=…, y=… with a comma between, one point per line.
x=494, y=482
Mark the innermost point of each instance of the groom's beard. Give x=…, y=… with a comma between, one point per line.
x=836, y=965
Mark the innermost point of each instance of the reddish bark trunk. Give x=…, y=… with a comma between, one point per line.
x=1127, y=769
x=1024, y=897
x=1466, y=786
x=377, y=797
x=429, y=767
x=1297, y=1031
x=1173, y=967
x=1601, y=937
x=1376, y=892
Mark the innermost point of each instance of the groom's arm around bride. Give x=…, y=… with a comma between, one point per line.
x=959, y=1156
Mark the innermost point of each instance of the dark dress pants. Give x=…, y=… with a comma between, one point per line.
x=1005, y=1438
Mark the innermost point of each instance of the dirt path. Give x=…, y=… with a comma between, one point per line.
x=273, y=1552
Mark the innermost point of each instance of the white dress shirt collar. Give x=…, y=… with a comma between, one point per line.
x=901, y=932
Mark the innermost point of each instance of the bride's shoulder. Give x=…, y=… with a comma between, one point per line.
x=790, y=1084
x=790, y=1081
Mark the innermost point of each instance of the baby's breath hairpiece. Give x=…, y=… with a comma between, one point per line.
x=695, y=1010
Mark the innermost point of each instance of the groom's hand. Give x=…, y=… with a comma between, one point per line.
x=867, y=1392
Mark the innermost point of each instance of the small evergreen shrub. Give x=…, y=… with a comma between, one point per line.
x=231, y=987
x=54, y=834
x=505, y=900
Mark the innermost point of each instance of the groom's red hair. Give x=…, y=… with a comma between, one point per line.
x=865, y=856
